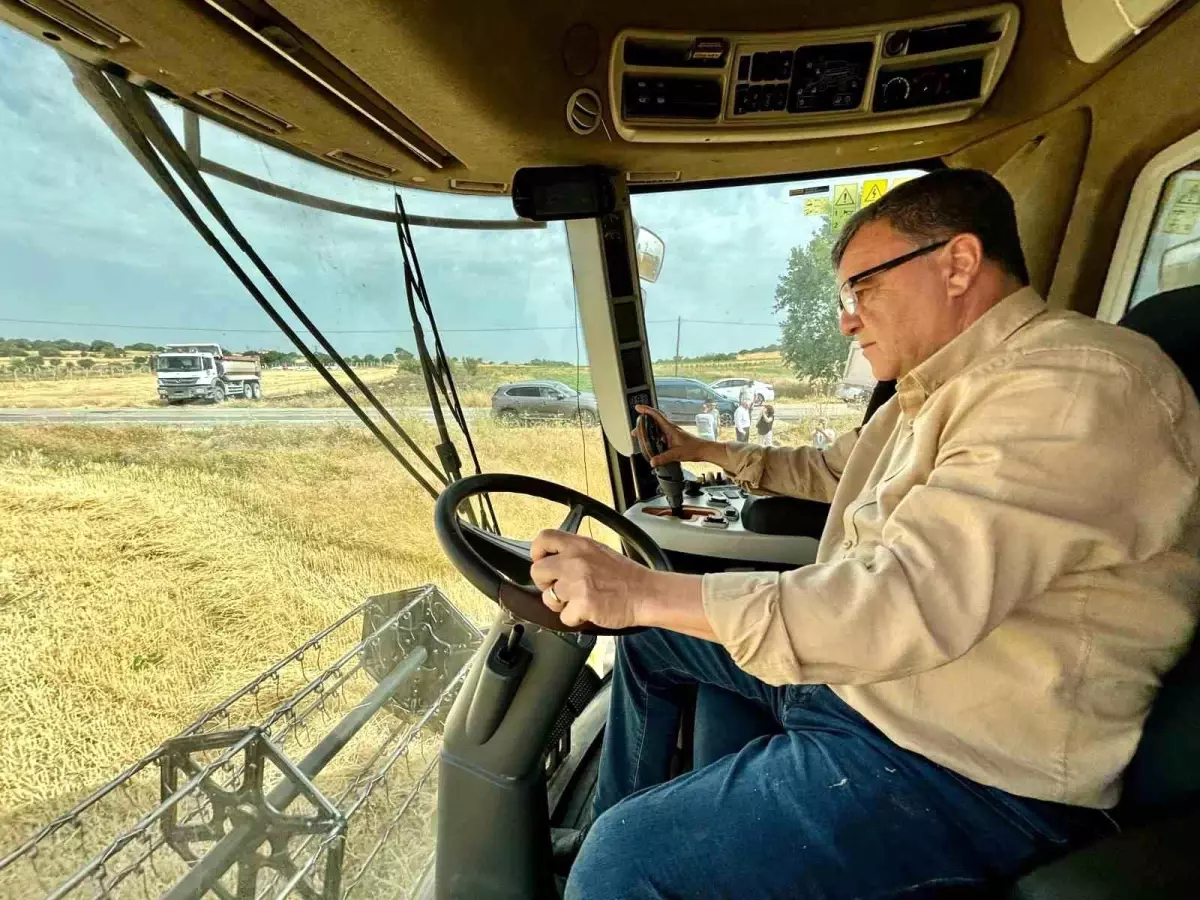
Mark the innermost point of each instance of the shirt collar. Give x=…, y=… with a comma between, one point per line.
x=987, y=332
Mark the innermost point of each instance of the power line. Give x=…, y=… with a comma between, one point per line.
x=223, y=330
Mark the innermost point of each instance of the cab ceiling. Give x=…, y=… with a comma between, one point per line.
x=488, y=83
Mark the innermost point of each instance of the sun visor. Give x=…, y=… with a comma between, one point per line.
x=1099, y=27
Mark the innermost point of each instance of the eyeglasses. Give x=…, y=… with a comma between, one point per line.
x=848, y=299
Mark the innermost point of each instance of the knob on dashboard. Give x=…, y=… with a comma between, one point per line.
x=896, y=91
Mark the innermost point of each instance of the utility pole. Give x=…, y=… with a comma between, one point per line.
x=678, y=329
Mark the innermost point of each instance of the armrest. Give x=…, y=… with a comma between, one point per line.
x=1160, y=861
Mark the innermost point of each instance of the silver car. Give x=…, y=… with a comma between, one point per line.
x=523, y=401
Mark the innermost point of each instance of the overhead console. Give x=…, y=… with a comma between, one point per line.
x=675, y=87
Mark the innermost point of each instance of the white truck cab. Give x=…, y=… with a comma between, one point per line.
x=206, y=372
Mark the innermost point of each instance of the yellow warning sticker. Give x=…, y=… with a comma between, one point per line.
x=845, y=195
x=816, y=206
x=873, y=189
x=1184, y=211
x=845, y=203
x=896, y=182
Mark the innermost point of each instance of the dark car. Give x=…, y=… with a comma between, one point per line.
x=529, y=400
x=682, y=399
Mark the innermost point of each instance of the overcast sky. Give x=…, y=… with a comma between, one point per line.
x=90, y=248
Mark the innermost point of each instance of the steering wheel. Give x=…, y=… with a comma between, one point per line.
x=462, y=543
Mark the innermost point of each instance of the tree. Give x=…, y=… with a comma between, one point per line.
x=141, y=360
x=55, y=361
x=812, y=343
x=371, y=359
x=389, y=359
x=471, y=364
x=86, y=362
x=401, y=353
x=48, y=352
x=141, y=347
x=101, y=346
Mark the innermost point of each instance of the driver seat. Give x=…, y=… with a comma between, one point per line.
x=1156, y=856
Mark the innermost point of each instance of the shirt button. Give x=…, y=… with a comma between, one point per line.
x=847, y=544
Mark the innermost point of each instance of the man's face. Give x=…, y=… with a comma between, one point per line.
x=905, y=314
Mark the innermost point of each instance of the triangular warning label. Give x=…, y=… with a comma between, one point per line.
x=873, y=189
x=1191, y=194
x=843, y=197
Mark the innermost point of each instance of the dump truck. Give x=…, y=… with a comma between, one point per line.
x=857, y=381
x=206, y=372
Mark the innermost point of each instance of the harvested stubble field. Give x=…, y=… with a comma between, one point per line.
x=139, y=390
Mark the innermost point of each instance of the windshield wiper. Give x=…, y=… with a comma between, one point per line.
x=128, y=111
x=437, y=371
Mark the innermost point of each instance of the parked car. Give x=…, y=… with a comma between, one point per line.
x=529, y=400
x=732, y=388
x=682, y=399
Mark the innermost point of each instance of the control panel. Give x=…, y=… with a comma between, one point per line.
x=712, y=526
x=928, y=85
x=674, y=87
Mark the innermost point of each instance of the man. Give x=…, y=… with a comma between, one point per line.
x=823, y=436
x=741, y=418
x=706, y=422
x=951, y=692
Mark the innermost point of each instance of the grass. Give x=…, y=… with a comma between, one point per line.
x=146, y=573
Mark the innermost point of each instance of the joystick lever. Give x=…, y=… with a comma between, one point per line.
x=670, y=476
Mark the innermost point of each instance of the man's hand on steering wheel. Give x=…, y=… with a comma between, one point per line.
x=584, y=581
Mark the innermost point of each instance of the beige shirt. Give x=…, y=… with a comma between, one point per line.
x=1011, y=557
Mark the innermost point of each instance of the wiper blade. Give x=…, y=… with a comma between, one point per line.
x=437, y=371
x=127, y=110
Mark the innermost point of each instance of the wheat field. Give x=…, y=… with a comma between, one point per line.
x=147, y=573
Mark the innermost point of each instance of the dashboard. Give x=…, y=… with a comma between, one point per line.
x=724, y=86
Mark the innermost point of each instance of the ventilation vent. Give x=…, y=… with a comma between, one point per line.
x=478, y=187
x=243, y=111
x=584, y=111
x=653, y=177
x=361, y=164
x=62, y=18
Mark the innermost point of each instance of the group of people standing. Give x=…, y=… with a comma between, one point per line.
x=708, y=425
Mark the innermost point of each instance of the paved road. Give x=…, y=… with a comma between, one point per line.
x=199, y=416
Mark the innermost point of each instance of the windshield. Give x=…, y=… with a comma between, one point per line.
x=252, y=526
x=180, y=364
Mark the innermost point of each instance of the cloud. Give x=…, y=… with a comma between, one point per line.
x=86, y=236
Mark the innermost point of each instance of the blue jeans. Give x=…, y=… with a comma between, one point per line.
x=823, y=805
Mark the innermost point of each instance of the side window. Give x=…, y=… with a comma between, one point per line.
x=1172, y=255
x=697, y=394
x=1158, y=248
x=548, y=393
x=669, y=389
x=749, y=297
x=522, y=392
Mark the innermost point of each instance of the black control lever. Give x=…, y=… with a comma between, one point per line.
x=670, y=476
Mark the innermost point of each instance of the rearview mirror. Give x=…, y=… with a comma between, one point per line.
x=650, y=253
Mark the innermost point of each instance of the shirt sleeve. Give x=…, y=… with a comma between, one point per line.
x=1039, y=473
x=804, y=472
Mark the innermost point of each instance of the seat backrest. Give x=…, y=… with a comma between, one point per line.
x=1164, y=774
